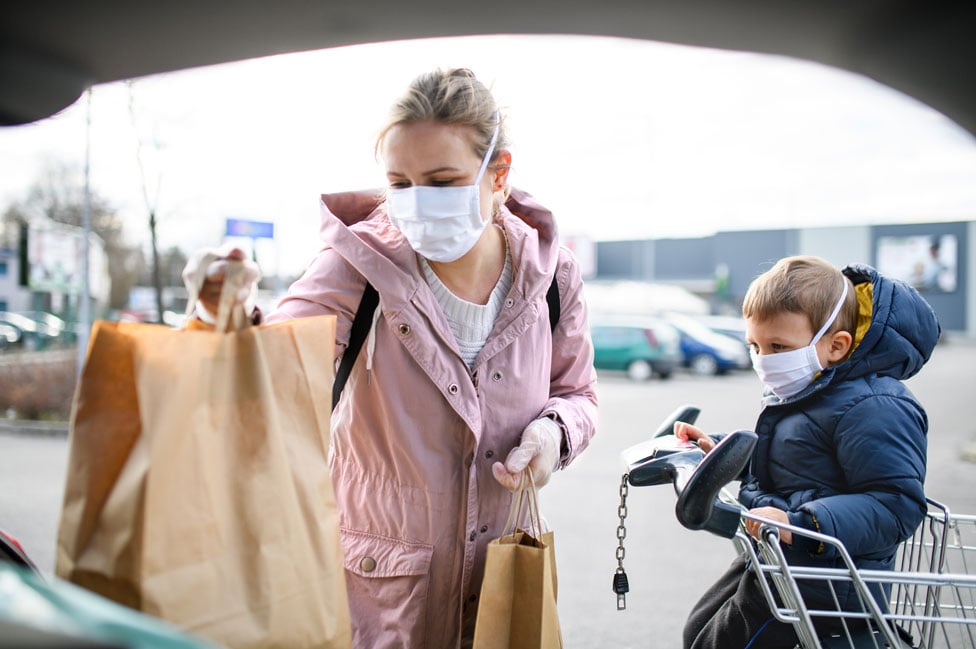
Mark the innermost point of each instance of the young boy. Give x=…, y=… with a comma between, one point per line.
x=842, y=441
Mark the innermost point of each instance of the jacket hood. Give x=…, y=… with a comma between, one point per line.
x=902, y=333
x=356, y=225
x=896, y=333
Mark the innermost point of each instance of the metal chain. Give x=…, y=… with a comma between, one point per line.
x=621, y=528
x=620, y=585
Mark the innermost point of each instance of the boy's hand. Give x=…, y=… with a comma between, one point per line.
x=688, y=433
x=773, y=514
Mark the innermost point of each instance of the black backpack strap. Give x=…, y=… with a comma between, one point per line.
x=552, y=299
x=357, y=335
x=362, y=321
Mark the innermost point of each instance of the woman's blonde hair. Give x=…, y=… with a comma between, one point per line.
x=802, y=284
x=453, y=97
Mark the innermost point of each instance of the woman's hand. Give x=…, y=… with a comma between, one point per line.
x=538, y=449
x=773, y=514
x=204, y=279
x=688, y=433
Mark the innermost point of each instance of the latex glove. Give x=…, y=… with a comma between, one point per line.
x=539, y=449
x=204, y=275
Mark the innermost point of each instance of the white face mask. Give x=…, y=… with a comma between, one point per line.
x=441, y=223
x=787, y=373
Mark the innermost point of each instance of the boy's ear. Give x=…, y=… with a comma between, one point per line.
x=840, y=346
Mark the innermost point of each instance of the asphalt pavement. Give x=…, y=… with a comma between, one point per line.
x=668, y=566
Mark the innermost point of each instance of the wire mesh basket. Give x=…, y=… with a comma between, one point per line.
x=927, y=602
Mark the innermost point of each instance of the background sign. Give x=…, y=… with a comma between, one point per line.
x=927, y=262
x=250, y=229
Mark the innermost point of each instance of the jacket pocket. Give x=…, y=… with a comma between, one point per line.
x=388, y=581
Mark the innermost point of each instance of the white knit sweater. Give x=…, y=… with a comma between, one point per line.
x=471, y=323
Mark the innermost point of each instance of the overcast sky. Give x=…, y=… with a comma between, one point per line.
x=622, y=139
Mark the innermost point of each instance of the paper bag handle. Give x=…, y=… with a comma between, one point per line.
x=235, y=277
x=525, y=498
x=229, y=318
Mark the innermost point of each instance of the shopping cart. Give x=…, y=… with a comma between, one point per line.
x=930, y=596
x=927, y=601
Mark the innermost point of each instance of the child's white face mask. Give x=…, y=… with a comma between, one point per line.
x=787, y=373
x=441, y=223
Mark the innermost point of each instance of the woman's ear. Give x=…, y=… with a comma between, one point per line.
x=500, y=167
x=840, y=346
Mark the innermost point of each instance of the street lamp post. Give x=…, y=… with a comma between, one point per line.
x=84, y=299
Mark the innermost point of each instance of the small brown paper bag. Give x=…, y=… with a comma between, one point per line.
x=517, y=606
x=198, y=487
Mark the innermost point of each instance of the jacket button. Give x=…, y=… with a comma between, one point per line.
x=496, y=376
x=472, y=599
x=509, y=303
x=453, y=388
x=484, y=528
x=489, y=454
x=404, y=329
x=473, y=536
x=367, y=564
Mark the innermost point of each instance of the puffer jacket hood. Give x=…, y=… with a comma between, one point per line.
x=904, y=330
x=899, y=340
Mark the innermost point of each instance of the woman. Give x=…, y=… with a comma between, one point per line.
x=461, y=383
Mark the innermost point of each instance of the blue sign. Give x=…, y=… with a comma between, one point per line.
x=250, y=229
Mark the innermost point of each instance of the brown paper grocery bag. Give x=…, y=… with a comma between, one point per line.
x=517, y=605
x=198, y=488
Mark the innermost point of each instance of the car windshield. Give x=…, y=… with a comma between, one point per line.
x=692, y=327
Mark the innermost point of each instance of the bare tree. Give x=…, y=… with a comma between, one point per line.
x=171, y=264
x=151, y=205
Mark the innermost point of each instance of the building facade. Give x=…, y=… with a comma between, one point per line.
x=44, y=272
x=937, y=258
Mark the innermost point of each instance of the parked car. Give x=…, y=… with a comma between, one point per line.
x=149, y=316
x=732, y=326
x=704, y=351
x=32, y=335
x=9, y=335
x=50, y=325
x=45, y=611
x=642, y=347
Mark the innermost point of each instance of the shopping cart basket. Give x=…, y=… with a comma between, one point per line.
x=945, y=543
x=928, y=604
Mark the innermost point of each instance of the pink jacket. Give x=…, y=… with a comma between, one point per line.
x=415, y=434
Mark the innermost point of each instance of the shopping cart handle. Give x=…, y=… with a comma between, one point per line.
x=665, y=466
x=698, y=506
x=660, y=459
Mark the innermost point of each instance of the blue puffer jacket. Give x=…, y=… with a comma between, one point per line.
x=846, y=456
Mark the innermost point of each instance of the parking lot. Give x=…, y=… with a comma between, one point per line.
x=668, y=565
